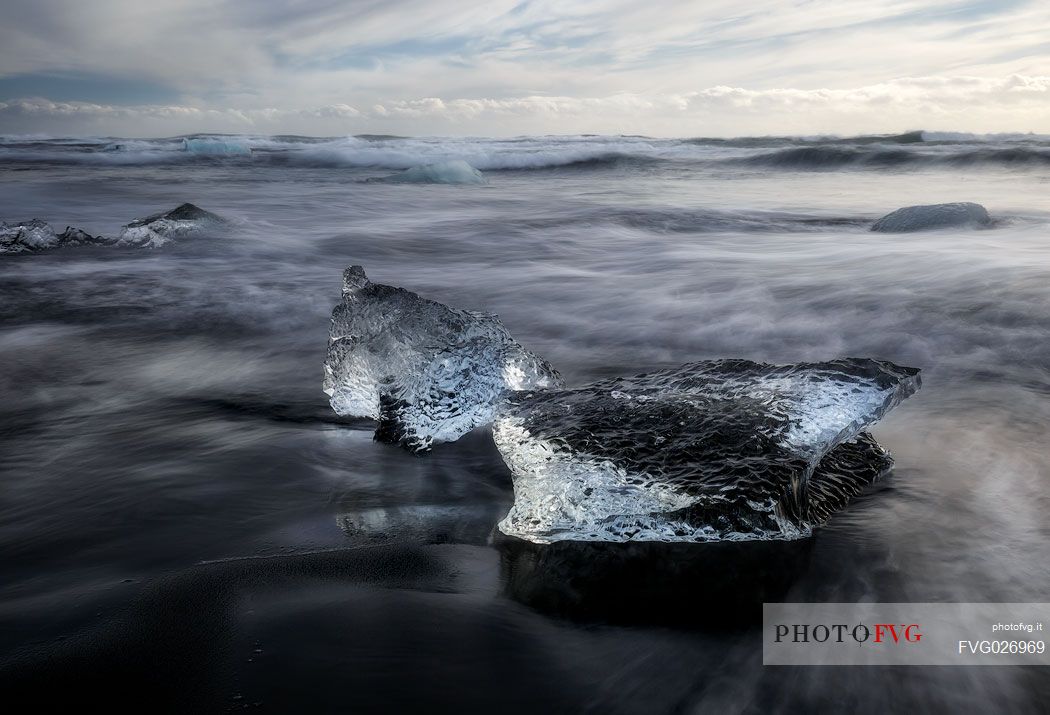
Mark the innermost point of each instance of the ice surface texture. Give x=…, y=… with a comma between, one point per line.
x=36, y=235
x=427, y=372
x=717, y=450
x=934, y=216
x=156, y=230
x=445, y=172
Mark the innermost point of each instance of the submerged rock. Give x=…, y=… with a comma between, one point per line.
x=445, y=172
x=933, y=216
x=37, y=235
x=716, y=450
x=427, y=372
x=156, y=230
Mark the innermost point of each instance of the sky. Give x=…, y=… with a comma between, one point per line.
x=512, y=67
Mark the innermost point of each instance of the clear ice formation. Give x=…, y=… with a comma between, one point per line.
x=715, y=450
x=933, y=216
x=425, y=371
x=156, y=230
x=444, y=172
x=37, y=235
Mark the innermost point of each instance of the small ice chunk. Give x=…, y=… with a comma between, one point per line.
x=427, y=372
x=933, y=216
x=717, y=450
x=156, y=230
x=444, y=172
x=78, y=237
x=32, y=235
x=37, y=235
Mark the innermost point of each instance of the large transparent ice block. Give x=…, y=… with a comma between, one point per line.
x=726, y=449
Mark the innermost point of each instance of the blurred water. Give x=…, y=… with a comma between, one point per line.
x=177, y=498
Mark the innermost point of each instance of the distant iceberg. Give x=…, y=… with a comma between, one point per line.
x=425, y=371
x=933, y=216
x=709, y=451
x=445, y=172
x=158, y=229
x=216, y=147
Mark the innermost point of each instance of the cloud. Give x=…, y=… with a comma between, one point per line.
x=962, y=103
x=38, y=110
x=233, y=45
x=505, y=66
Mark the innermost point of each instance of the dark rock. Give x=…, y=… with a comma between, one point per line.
x=933, y=216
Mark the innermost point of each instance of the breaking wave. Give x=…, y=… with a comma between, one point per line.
x=483, y=154
x=216, y=147
x=837, y=157
x=830, y=158
x=916, y=137
x=585, y=152
x=824, y=157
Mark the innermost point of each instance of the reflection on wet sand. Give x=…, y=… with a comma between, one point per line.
x=718, y=585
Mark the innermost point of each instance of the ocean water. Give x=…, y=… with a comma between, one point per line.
x=185, y=524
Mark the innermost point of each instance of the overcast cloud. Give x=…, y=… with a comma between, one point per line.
x=499, y=68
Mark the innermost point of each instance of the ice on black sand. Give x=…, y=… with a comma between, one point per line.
x=426, y=371
x=37, y=235
x=150, y=232
x=709, y=451
x=716, y=450
x=161, y=228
